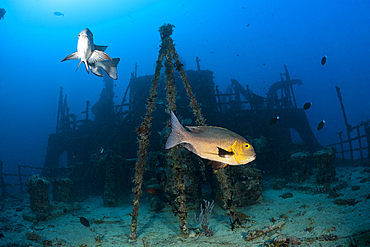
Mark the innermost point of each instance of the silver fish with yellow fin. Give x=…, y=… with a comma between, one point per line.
x=221, y=146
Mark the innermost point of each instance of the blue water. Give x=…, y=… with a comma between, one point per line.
x=245, y=40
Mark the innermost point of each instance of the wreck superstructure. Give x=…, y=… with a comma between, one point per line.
x=239, y=110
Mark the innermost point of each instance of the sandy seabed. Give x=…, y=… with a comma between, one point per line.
x=313, y=218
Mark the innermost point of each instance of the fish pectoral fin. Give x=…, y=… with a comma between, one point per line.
x=190, y=147
x=217, y=165
x=87, y=69
x=73, y=56
x=85, y=66
x=100, y=47
x=224, y=153
x=98, y=56
x=78, y=65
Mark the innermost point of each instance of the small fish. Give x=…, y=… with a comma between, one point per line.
x=307, y=105
x=159, y=101
x=2, y=13
x=158, y=193
x=151, y=191
x=323, y=60
x=221, y=146
x=248, y=24
x=274, y=120
x=101, y=150
x=93, y=56
x=84, y=221
x=320, y=125
x=58, y=14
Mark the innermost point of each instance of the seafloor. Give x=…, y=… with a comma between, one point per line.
x=312, y=217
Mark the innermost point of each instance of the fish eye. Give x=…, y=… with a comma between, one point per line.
x=247, y=145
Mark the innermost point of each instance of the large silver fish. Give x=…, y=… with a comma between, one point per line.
x=223, y=147
x=93, y=56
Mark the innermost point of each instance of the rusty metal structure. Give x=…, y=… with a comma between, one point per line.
x=114, y=126
x=100, y=152
x=357, y=141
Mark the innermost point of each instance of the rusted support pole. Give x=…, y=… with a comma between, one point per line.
x=367, y=133
x=143, y=132
x=341, y=143
x=349, y=129
x=60, y=103
x=218, y=98
x=87, y=110
x=359, y=141
x=193, y=103
x=198, y=60
x=135, y=70
x=201, y=121
x=174, y=153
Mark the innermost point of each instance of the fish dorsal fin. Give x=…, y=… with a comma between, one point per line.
x=100, y=47
x=223, y=153
x=98, y=56
x=72, y=57
x=217, y=165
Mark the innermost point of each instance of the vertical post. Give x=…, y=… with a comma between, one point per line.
x=345, y=120
x=198, y=60
x=87, y=111
x=20, y=177
x=3, y=185
x=218, y=98
x=341, y=143
x=135, y=70
x=143, y=132
x=291, y=86
x=359, y=140
x=367, y=133
x=67, y=119
x=60, y=103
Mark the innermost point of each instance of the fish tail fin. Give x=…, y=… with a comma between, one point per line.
x=177, y=134
x=110, y=66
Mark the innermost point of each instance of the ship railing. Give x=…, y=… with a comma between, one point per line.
x=20, y=175
x=357, y=145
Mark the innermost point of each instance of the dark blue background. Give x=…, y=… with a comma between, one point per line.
x=232, y=38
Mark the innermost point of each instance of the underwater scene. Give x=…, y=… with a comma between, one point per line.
x=184, y=123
